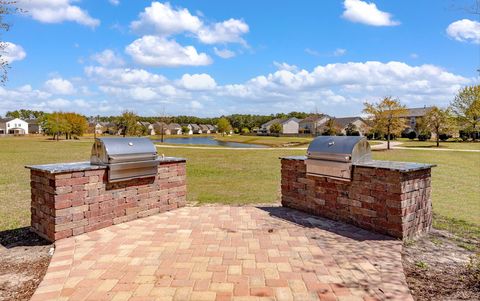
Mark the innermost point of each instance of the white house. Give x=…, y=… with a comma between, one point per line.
x=289, y=126
x=13, y=126
x=190, y=129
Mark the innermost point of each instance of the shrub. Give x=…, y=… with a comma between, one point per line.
x=412, y=135
x=424, y=136
x=444, y=137
x=245, y=131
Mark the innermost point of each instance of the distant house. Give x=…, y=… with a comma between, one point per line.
x=343, y=122
x=196, y=128
x=204, y=128
x=34, y=126
x=289, y=126
x=159, y=126
x=149, y=129
x=212, y=128
x=13, y=126
x=175, y=129
x=313, y=124
x=412, y=117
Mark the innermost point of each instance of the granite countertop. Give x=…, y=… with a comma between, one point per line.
x=393, y=165
x=84, y=166
x=298, y=158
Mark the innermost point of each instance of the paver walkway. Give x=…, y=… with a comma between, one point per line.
x=226, y=253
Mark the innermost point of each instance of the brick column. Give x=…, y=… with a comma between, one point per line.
x=384, y=200
x=70, y=203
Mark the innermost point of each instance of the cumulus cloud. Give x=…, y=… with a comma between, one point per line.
x=366, y=13
x=162, y=19
x=340, y=52
x=114, y=2
x=195, y=105
x=108, y=58
x=123, y=76
x=465, y=30
x=285, y=66
x=223, y=53
x=198, y=82
x=161, y=52
x=59, y=85
x=229, y=31
x=57, y=11
x=12, y=52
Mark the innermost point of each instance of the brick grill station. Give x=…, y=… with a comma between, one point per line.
x=391, y=198
x=74, y=198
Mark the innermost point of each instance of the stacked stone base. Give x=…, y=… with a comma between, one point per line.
x=72, y=203
x=385, y=201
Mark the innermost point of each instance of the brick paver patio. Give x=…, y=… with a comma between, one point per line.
x=226, y=253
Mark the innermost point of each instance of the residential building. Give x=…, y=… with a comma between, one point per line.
x=34, y=126
x=289, y=126
x=196, y=128
x=190, y=129
x=204, y=128
x=343, y=122
x=175, y=129
x=13, y=126
x=313, y=124
x=149, y=128
x=158, y=127
x=412, y=116
x=212, y=128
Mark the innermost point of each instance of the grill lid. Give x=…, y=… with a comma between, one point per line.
x=339, y=148
x=119, y=150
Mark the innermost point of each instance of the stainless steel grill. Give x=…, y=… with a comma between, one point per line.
x=126, y=158
x=333, y=156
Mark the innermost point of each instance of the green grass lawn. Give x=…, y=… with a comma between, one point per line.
x=446, y=145
x=232, y=176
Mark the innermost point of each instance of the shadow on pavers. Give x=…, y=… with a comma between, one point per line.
x=21, y=237
x=311, y=221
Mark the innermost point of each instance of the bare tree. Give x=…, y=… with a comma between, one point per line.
x=6, y=8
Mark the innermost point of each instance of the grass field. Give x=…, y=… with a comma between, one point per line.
x=446, y=144
x=232, y=176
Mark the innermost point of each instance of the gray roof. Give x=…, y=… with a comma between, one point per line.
x=174, y=126
x=276, y=120
x=3, y=120
x=211, y=127
x=204, y=127
x=314, y=118
x=416, y=112
x=195, y=127
x=344, y=121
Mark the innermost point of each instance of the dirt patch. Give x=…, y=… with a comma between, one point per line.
x=442, y=267
x=24, y=258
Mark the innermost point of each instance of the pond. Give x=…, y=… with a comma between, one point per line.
x=206, y=141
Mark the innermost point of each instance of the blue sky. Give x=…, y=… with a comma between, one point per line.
x=209, y=58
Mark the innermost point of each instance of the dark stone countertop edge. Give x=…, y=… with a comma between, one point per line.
x=395, y=165
x=297, y=158
x=85, y=166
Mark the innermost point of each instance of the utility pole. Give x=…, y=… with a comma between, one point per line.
x=162, y=123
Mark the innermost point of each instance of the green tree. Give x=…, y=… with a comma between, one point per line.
x=276, y=128
x=351, y=130
x=438, y=121
x=223, y=125
x=185, y=130
x=330, y=128
x=466, y=108
x=54, y=124
x=127, y=123
x=386, y=117
x=76, y=124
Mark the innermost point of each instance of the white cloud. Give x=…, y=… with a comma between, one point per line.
x=312, y=52
x=195, y=105
x=164, y=20
x=224, y=53
x=59, y=85
x=229, y=31
x=12, y=52
x=114, y=2
x=57, y=11
x=340, y=52
x=465, y=30
x=367, y=13
x=161, y=52
x=123, y=76
x=198, y=82
x=285, y=66
x=161, y=19
x=414, y=56
x=108, y=58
